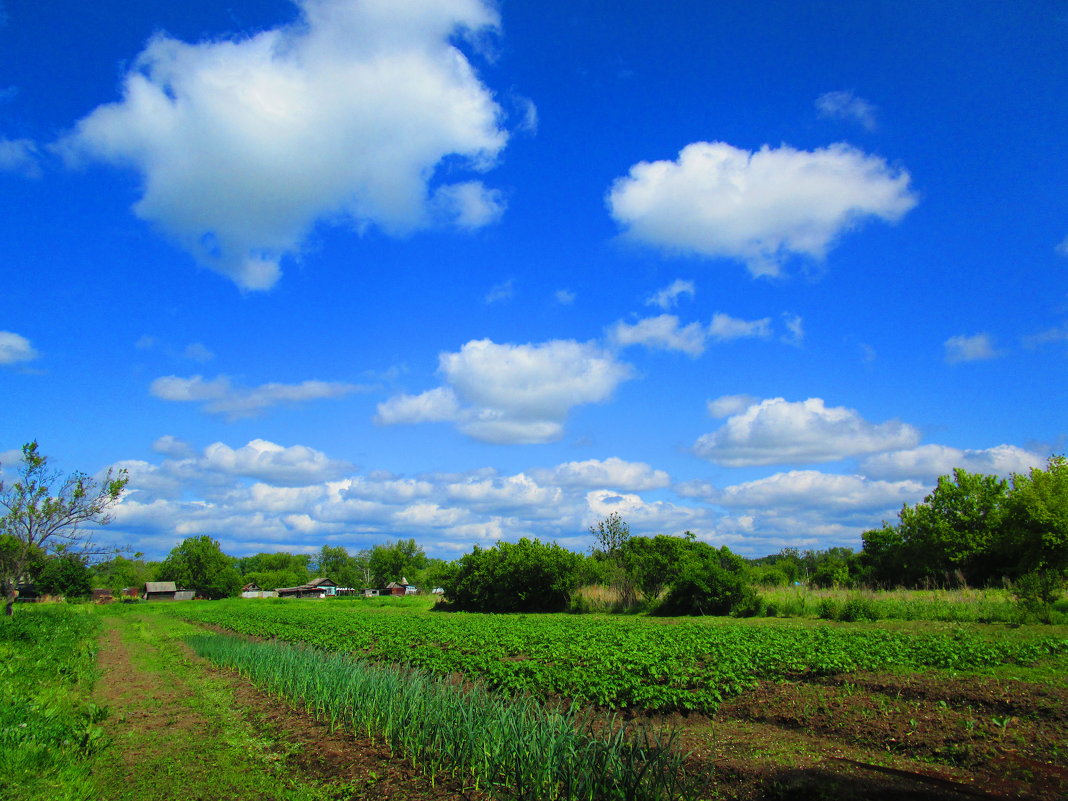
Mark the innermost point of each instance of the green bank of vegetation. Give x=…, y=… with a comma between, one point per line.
x=49, y=728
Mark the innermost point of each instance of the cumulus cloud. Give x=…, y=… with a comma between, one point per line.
x=220, y=396
x=15, y=348
x=21, y=156
x=726, y=405
x=795, y=328
x=974, y=348
x=511, y=394
x=662, y=333
x=724, y=328
x=757, y=207
x=811, y=489
x=669, y=296
x=776, y=431
x=266, y=461
x=847, y=106
x=927, y=462
x=613, y=473
x=244, y=144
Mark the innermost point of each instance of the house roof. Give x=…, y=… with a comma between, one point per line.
x=321, y=582
x=161, y=586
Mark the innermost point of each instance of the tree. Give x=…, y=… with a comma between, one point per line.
x=198, y=563
x=611, y=534
x=118, y=573
x=524, y=576
x=710, y=582
x=66, y=574
x=653, y=562
x=1037, y=530
x=43, y=514
x=395, y=560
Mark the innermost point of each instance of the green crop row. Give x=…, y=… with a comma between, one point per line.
x=615, y=662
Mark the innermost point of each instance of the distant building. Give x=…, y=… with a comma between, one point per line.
x=160, y=591
x=316, y=588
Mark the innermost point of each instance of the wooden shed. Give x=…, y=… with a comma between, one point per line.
x=160, y=591
x=316, y=588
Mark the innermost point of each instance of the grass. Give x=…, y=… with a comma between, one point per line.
x=510, y=745
x=177, y=730
x=49, y=728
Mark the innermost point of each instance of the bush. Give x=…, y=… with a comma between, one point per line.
x=706, y=588
x=525, y=576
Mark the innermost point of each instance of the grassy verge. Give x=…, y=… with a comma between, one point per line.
x=512, y=746
x=177, y=730
x=49, y=729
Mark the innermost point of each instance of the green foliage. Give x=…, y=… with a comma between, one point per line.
x=632, y=661
x=334, y=562
x=197, y=563
x=43, y=514
x=65, y=574
x=394, y=561
x=1038, y=514
x=611, y=534
x=525, y=576
x=485, y=739
x=653, y=562
x=119, y=573
x=709, y=584
x=48, y=726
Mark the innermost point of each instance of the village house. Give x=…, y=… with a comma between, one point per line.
x=316, y=588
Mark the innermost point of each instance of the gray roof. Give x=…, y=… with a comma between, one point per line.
x=161, y=586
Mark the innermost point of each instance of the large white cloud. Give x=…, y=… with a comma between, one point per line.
x=777, y=431
x=612, y=473
x=757, y=207
x=243, y=144
x=927, y=462
x=811, y=489
x=220, y=396
x=511, y=394
x=15, y=348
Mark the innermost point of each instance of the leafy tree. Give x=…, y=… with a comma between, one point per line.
x=395, y=560
x=1037, y=513
x=653, y=562
x=710, y=582
x=66, y=574
x=198, y=563
x=44, y=514
x=525, y=576
x=610, y=534
x=118, y=573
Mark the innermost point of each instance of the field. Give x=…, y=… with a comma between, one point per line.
x=532, y=706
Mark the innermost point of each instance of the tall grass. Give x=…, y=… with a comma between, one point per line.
x=48, y=726
x=963, y=605
x=508, y=745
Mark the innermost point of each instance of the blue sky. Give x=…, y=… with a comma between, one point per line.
x=345, y=271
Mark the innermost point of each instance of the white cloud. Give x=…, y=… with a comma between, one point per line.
x=15, y=348
x=847, y=106
x=974, y=348
x=811, y=489
x=1049, y=336
x=244, y=144
x=565, y=297
x=722, y=202
x=511, y=394
x=662, y=332
x=795, y=327
x=198, y=352
x=433, y=406
x=1062, y=248
x=171, y=446
x=669, y=296
x=21, y=156
x=776, y=431
x=610, y=473
x=724, y=328
x=927, y=462
x=726, y=405
x=220, y=396
x=501, y=292
x=260, y=459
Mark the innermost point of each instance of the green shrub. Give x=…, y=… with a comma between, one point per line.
x=707, y=588
x=525, y=576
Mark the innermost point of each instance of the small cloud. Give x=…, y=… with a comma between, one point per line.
x=220, y=396
x=565, y=297
x=15, y=348
x=198, y=353
x=727, y=405
x=146, y=342
x=1047, y=337
x=501, y=292
x=974, y=348
x=172, y=446
x=1062, y=248
x=668, y=297
x=724, y=328
x=795, y=328
x=867, y=353
x=847, y=106
x=469, y=205
x=661, y=333
x=21, y=156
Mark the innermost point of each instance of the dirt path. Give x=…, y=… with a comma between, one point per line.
x=181, y=729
